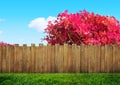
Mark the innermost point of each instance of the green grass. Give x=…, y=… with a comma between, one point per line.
x=60, y=79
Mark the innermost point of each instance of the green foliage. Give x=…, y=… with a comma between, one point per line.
x=59, y=79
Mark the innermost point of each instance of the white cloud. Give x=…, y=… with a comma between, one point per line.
x=1, y=32
x=41, y=23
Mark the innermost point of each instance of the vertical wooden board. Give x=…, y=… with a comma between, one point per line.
x=86, y=59
x=33, y=58
x=25, y=58
x=59, y=59
x=16, y=58
x=56, y=58
x=111, y=59
x=65, y=58
x=115, y=60
x=45, y=59
x=11, y=59
x=49, y=57
x=91, y=59
x=118, y=59
x=37, y=59
x=108, y=58
x=74, y=58
x=41, y=63
x=89, y=56
x=95, y=55
x=97, y=59
x=37, y=63
x=70, y=59
x=8, y=58
x=80, y=57
x=28, y=59
x=77, y=58
x=0, y=58
x=61, y=56
x=20, y=60
x=102, y=59
x=82, y=60
x=53, y=59
x=4, y=63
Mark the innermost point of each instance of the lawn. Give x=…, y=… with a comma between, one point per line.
x=60, y=79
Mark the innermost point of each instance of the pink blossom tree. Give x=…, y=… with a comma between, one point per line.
x=83, y=27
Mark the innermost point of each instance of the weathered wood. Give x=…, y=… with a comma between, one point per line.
x=4, y=60
x=102, y=59
x=11, y=59
x=82, y=61
x=0, y=58
x=59, y=58
x=108, y=58
x=49, y=58
x=65, y=58
x=33, y=58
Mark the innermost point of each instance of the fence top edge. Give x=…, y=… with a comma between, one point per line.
x=114, y=45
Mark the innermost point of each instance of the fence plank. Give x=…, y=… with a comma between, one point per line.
x=59, y=59
x=37, y=59
x=24, y=52
x=40, y=58
x=102, y=56
x=91, y=59
x=70, y=59
x=116, y=58
x=11, y=59
x=7, y=59
x=28, y=60
x=0, y=58
x=33, y=58
x=49, y=58
x=65, y=58
x=82, y=62
x=4, y=59
x=77, y=58
x=53, y=59
x=74, y=57
x=56, y=58
x=108, y=58
x=20, y=60
x=97, y=58
x=17, y=58
x=45, y=59
x=86, y=59
x=61, y=53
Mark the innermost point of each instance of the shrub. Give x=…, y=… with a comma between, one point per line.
x=83, y=27
x=4, y=44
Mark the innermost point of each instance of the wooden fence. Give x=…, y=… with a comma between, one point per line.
x=59, y=59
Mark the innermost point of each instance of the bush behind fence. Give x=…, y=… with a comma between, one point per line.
x=60, y=59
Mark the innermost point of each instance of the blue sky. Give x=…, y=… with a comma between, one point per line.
x=23, y=21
